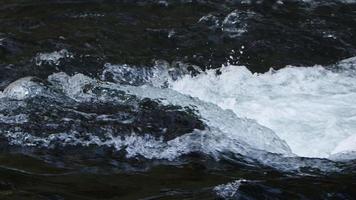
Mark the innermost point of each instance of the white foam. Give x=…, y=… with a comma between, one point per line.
x=53, y=58
x=126, y=74
x=21, y=89
x=229, y=190
x=227, y=132
x=74, y=86
x=158, y=76
x=345, y=146
x=312, y=109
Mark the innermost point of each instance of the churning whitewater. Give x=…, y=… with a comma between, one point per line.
x=178, y=99
x=311, y=108
x=295, y=111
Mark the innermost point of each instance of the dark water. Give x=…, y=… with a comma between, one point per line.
x=65, y=132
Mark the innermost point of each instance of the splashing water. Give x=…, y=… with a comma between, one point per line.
x=294, y=111
x=312, y=109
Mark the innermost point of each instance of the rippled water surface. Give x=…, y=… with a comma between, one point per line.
x=189, y=99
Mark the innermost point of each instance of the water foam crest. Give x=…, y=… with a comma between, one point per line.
x=308, y=109
x=228, y=132
x=312, y=109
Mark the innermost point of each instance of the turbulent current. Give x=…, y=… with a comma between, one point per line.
x=178, y=99
x=295, y=111
x=310, y=108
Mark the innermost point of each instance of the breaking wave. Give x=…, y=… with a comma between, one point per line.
x=311, y=108
x=272, y=118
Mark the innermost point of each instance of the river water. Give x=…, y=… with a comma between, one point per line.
x=189, y=99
